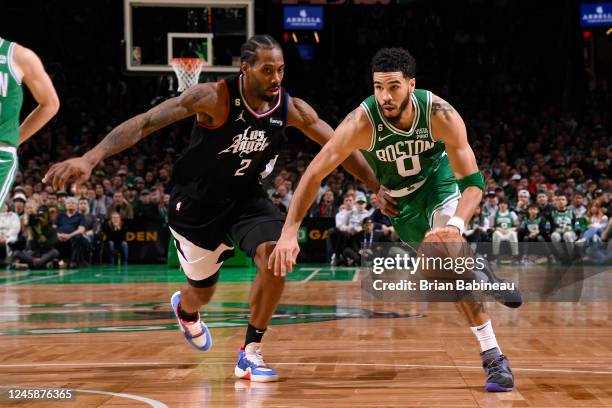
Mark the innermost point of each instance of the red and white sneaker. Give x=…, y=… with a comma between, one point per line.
x=196, y=333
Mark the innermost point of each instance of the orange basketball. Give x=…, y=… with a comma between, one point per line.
x=439, y=248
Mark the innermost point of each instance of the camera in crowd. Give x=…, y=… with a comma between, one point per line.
x=40, y=217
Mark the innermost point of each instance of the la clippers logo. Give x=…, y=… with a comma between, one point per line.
x=248, y=142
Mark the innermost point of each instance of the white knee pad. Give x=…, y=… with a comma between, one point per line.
x=198, y=263
x=441, y=215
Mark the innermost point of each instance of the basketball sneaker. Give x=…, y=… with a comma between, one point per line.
x=251, y=365
x=509, y=298
x=196, y=333
x=497, y=369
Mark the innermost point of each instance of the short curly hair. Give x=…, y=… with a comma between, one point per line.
x=394, y=60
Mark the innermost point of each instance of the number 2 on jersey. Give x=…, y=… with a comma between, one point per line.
x=244, y=164
x=415, y=168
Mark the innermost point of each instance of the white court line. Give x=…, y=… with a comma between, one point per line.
x=73, y=311
x=356, y=276
x=339, y=364
x=312, y=275
x=151, y=402
x=40, y=278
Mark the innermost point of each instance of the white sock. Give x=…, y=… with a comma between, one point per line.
x=485, y=335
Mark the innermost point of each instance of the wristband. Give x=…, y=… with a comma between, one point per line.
x=457, y=223
x=474, y=179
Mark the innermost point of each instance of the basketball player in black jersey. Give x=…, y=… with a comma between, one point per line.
x=217, y=193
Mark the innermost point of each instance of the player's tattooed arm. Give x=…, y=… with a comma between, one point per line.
x=448, y=126
x=199, y=98
x=445, y=120
x=440, y=106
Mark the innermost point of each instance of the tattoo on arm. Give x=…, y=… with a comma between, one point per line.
x=133, y=130
x=123, y=136
x=443, y=107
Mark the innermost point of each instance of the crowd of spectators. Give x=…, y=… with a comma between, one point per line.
x=40, y=227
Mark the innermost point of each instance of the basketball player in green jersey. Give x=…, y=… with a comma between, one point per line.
x=416, y=143
x=20, y=65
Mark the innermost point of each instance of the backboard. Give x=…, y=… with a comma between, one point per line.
x=158, y=30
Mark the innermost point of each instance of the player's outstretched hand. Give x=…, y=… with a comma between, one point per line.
x=387, y=203
x=77, y=169
x=284, y=255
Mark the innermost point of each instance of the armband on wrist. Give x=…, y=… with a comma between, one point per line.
x=474, y=179
x=457, y=223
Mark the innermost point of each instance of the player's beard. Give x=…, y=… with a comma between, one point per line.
x=260, y=92
x=403, y=106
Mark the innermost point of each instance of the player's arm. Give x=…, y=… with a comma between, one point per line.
x=302, y=116
x=38, y=82
x=203, y=98
x=447, y=125
x=354, y=133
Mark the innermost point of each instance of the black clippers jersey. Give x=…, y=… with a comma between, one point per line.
x=230, y=159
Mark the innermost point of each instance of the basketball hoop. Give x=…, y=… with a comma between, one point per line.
x=187, y=71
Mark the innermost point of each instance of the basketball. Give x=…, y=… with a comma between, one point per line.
x=441, y=247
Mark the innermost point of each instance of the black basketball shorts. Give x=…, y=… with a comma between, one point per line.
x=206, y=230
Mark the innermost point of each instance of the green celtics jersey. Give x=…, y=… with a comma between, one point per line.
x=562, y=220
x=503, y=220
x=403, y=159
x=533, y=225
x=11, y=95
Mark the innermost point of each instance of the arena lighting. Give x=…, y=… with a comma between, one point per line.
x=295, y=39
x=316, y=36
x=587, y=35
x=609, y=31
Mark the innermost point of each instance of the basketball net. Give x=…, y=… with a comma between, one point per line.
x=187, y=71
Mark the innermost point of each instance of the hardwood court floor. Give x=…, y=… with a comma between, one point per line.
x=110, y=332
